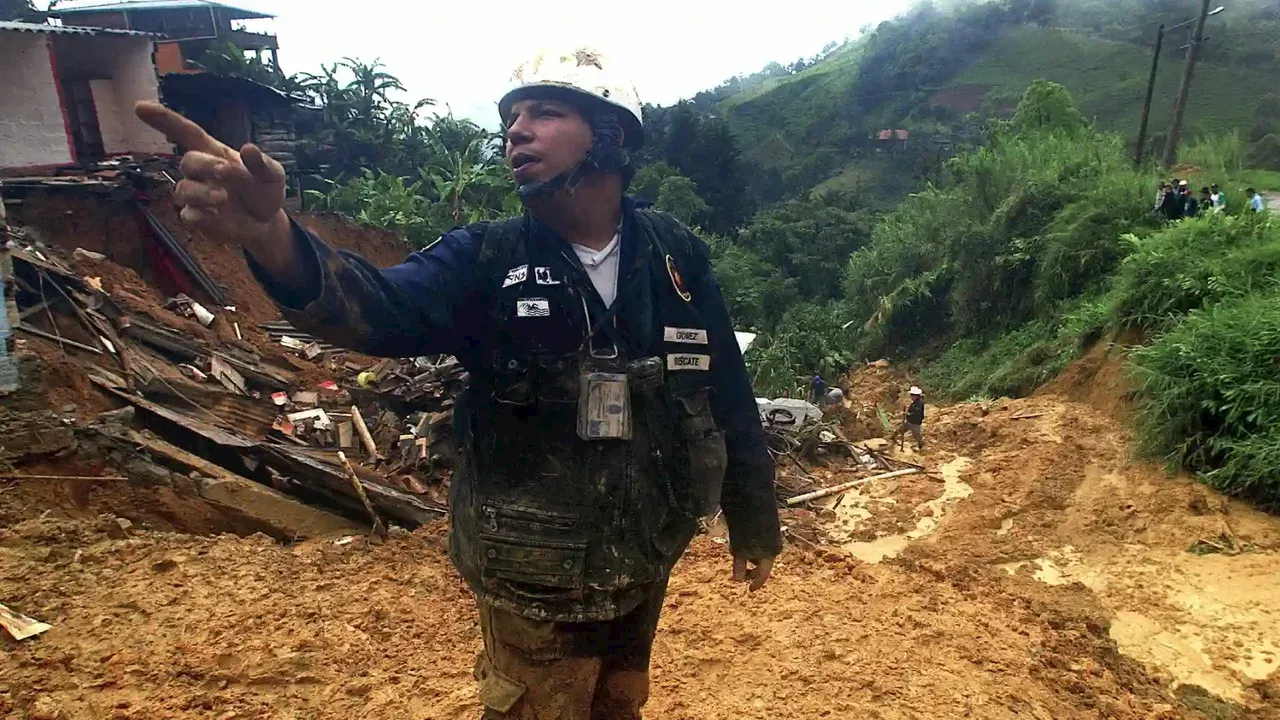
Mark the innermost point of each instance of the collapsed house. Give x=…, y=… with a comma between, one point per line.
x=177, y=366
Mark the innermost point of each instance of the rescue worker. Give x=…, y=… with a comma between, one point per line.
x=913, y=420
x=607, y=394
x=817, y=389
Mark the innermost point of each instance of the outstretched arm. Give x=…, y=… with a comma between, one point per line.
x=237, y=197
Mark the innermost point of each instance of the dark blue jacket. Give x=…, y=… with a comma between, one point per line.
x=430, y=304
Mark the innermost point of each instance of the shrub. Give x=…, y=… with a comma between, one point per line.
x=1195, y=263
x=1012, y=365
x=1209, y=395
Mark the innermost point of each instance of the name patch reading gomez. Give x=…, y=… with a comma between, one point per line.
x=692, y=336
x=688, y=362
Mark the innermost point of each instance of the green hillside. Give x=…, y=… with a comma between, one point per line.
x=1109, y=80
x=942, y=74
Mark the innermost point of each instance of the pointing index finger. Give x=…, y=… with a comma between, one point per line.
x=178, y=129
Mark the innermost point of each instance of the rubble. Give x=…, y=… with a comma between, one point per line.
x=260, y=412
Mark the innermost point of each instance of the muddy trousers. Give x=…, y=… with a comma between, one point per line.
x=536, y=670
x=916, y=434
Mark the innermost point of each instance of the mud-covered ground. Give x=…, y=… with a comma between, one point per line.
x=1035, y=572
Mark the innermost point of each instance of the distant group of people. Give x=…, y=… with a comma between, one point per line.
x=1174, y=200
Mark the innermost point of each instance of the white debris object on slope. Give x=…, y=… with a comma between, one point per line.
x=787, y=412
x=20, y=626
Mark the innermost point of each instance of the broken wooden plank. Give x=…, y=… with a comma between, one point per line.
x=281, y=516
x=267, y=377
x=38, y=308
x=378, y=527
x=845, y=487
x=203, y=429
x=227, y=375
x=365, y=437
x=9, y=476
x=61, y=340
x=75, y=307
x=322, y=475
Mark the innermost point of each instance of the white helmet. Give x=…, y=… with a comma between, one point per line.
x=916, y=391
x=585, y=74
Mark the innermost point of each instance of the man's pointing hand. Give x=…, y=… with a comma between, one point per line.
x=229, y=196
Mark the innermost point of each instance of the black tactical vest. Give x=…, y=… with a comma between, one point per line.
x=545, y=523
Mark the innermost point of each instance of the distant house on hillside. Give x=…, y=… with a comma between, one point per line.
x=896, y=138
x=69, y=93
x=190, y=27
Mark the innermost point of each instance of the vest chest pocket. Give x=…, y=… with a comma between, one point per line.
x=558, y=379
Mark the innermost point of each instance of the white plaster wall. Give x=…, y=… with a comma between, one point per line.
x=32, y=131
x=134, y=79
x=114, y=139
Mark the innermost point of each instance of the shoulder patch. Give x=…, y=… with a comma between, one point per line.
x=516, y=275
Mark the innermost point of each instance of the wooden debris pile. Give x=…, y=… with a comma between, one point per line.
x=282, y=414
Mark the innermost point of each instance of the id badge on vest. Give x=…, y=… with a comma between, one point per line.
x=604, y=406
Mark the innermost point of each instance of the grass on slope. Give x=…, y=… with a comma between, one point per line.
x=846, y=57
x=1108, y=80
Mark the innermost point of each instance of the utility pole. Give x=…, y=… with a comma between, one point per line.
x=1146, y=106
x=1180, y=105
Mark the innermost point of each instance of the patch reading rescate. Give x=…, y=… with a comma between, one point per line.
x=516, y=275
x=543, y=276
x=692, y=336
x=682, y=361
x=533, y=307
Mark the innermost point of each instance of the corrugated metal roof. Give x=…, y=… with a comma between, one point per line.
x=66, y=30
x=235, y=12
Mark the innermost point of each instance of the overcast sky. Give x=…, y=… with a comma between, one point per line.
x=461, y=53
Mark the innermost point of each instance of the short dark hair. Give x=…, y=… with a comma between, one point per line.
x=1204, y=190
x=1251, y=191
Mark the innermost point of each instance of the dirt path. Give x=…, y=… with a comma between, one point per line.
x=1038, y=574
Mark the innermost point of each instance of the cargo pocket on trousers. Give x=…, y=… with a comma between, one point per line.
x=497, y=691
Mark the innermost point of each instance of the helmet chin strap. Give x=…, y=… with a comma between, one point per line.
x=605, y=155
x=568, y=179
